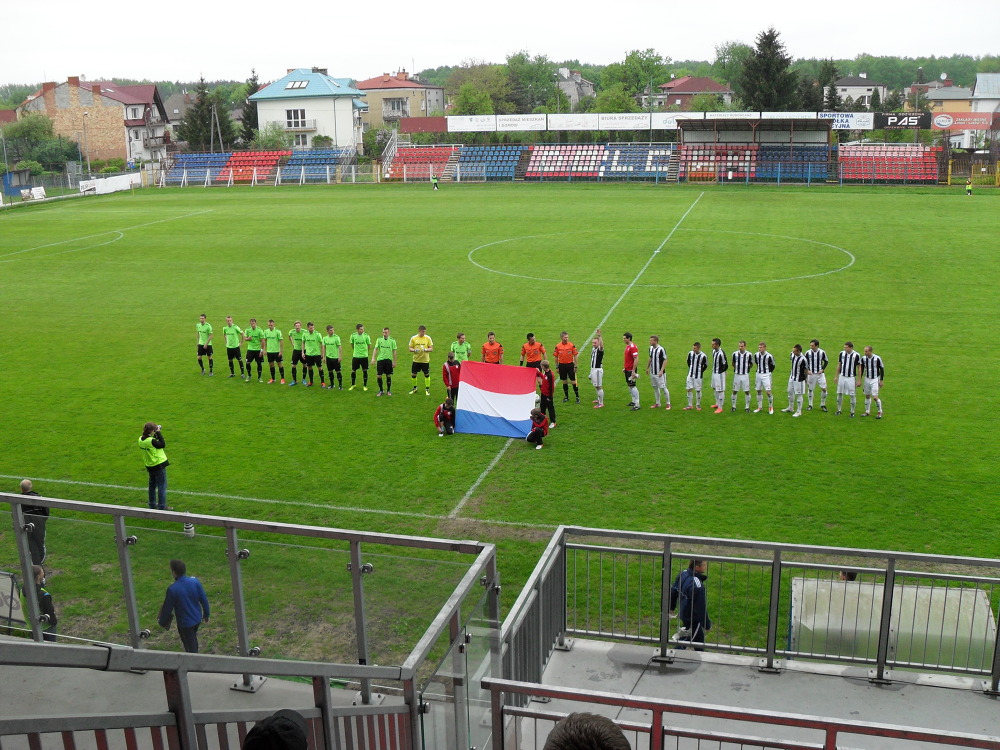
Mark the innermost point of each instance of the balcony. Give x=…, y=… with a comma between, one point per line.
x=295, y=126
x=394, y=111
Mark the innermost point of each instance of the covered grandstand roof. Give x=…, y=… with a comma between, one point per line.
x=306, y=83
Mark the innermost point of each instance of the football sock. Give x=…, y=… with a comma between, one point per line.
x=340, y=379
x=868, y=403
x=734, y=399
x=840, y=401
x=232, y=368
x=770, y=400
x=697, y=398
x=878, y=405
x=690, y=398
x=822, y=398
x=201, y=364
x=566, y=390
x=271, y=367
x=379, y=381
x=811, y=391
x=427, y=382
x=667, y=394
x=414, y=379
x=295, y=372
x=600, y=395
x=211, y=364
x=242, y=370
x=576, y=390
x=854, y=403
x=281, y=369
x=354, y=376
x=260, y=368
x=364, y=375
x=635, y=394
x=798, y=402
x=388, y=382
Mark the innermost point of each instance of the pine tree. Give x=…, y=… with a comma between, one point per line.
x=195, y=126
x=250, y=121
x=810, y=95
x=828, y=76
x=876, y=103
x=894, y=102
x=767, y=82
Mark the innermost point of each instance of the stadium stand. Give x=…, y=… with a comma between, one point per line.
x=420, y=162
x=313, y=165
x=195, y=167
x=244, y=166
x=565, y=161
x=889, y=162
x=700, y=162
x=796, y=162
x=629, y=160
x=491, y=163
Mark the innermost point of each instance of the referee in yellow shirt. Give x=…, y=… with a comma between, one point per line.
x=421, y=346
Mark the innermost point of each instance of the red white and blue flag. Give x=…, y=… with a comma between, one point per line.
x=495, y=400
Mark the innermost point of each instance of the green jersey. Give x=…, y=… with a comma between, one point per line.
x=253, y=337
x=384, y=347
x=332, y=344
x=296, y=337
x=232, y=334
x=273, y=340
x=312, y=341
x=360, y=342
x=204, y=331
x=461, y=350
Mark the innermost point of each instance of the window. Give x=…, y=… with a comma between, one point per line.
x=135, y=135
x=296, y=84
x=395, y=105
x=295, y=118
x=301, y=140
x=135, y=113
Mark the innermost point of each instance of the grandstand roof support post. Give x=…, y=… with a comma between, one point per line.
x=27, y=573
x=178, y=694
x=250, y=683
x=879, y=675
x=767, y=664
x=360, y=621
x=123, y=542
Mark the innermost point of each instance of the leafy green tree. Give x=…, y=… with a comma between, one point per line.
x=531, y=81
x=250, y=123
x=34, y=167
x=487, y=77
x=766, y=82
x=587, y=104
x=893, y=102
x=32, y=128
x=728, y=66
x=472, y=100
x=707, y=102
x=616, y=99
x=636, y=71
x=375, y=141
x=988, y=64
x=271, y=137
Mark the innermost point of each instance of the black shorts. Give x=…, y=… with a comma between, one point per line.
x=567, y=371
x=206, y=349
x=233, y=352
x=357, y=362
x=297, y=356
x=314, y=360
x=255, y=355
x=628, y=378
x=333, y=365
x=274, y=357
x=537, y=365
x=424, y=367
x=383, y=367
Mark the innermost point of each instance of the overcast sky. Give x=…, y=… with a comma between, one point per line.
x=183, y=39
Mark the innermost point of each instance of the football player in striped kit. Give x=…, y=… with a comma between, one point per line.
x=796, y=381
x=697, y=362
x=764, y=361
x=872, y=372
x=597, y=368
x=816, y=363
x=719, y=367
x=742, y=364
x=848, y=370
x=656, y=367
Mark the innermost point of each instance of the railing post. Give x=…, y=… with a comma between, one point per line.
x=179, y=704
x=123, y=542
x=767, y=663
x=251, y=683
x=562, y=574
x=888, y=588
x=665, y=583
x=496, y=710
x=360, y=622
x=27, y=572
x=992, y=686
x=460, y=672
x=321, y=698
x=656, y=731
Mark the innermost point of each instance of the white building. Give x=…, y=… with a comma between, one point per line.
x=308, y=102
x=860, y=89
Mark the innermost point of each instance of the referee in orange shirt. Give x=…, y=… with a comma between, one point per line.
x=566, y=356
x=532, y=352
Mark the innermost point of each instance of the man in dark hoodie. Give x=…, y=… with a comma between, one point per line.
x=39, y=516
x=689, y=597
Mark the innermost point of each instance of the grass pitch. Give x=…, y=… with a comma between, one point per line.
x=100, y=298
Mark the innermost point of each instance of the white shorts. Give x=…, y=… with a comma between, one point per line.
x=871, y=387
x=817, y=379
x=796, y=387
x=741, y=383
x=762, y=382
x=846, y=385
x=658, y=381
x=597, y=377
x=694, y=384
x=718, y=381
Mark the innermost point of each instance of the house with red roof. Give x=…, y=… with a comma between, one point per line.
x=109, y=121
x=392, y=97
x=677, y=93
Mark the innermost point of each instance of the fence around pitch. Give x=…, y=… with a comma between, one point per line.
x=910, y=611
x=362, y=577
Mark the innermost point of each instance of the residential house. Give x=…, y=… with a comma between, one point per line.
x=573, y=85
x=308, y=102
x=677, y=93
x=108, y=121
x=391, y=97
x=859, y=89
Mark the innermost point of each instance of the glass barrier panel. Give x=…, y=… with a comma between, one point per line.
x=482, y=661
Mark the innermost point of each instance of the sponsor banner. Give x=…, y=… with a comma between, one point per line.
x=624, y=121
x=581, y=121
x=521, y=122
x=732, y=115
x=107, y=185
x=668, y=120
x=472, y=124
x=849, y=120
x=788, y=115
x=495, y=400
x=896, y=120
x=963, y=121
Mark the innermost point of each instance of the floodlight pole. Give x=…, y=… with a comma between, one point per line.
x=558, y=111
x=86, y=141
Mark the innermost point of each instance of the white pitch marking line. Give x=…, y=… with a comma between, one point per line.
x=499, y=455
x=294, y=503
x=101, y=234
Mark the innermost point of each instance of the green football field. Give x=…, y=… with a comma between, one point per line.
x=101, y=296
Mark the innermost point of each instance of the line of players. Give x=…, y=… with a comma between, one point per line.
x=806, y=373
x=312, y=349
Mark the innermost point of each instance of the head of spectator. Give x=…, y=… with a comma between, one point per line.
x=848, y=575
x=282, y=730
x=584, y=731
x=178, y=568
x=26, y=487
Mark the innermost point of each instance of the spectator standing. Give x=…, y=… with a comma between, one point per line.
x=689, y=597
x=451, y=374
x=45, y=606
x=547, y=388
x=185, y=599
x=38, y=515
x=153, y=456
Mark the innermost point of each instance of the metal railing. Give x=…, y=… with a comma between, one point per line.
x=139, y=539
x=826, y=734
x=936, y=614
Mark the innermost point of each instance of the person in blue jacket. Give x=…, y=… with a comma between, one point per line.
x=187, y=600
x=689, y=597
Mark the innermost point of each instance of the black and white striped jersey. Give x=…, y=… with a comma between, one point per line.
x=742, y=362
x=697, y=364
x=764, y=362
x=657, y=358
x=816, y=360
x=798, y=371
x=872, y=368
x=847, y=363
x=596, y=358
x=719, y=362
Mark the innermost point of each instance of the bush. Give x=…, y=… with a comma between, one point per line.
x=117, y=163
x=322, y=141
x=34, y=166
x=110, y=170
